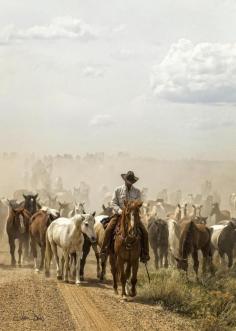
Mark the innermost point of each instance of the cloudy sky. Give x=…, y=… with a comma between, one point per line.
x=154, y=77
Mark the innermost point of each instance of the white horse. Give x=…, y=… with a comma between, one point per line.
x=67, y=233
x=173, y=229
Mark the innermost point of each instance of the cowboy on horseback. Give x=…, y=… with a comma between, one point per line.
x=121, y=194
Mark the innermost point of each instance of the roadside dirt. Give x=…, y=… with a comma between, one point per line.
x=28, y=301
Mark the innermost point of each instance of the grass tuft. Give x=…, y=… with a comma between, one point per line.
x=212, y=303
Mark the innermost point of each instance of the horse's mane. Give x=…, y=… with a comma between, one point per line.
x=186, y=238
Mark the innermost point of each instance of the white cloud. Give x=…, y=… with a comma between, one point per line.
x=101, y=120
x=201, y=73
x=124, y=54
x=93, y=71
x=59, y=28
x=119, y=28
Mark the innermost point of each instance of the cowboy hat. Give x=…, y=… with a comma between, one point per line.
x=129, y=177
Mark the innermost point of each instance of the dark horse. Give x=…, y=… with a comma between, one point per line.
x=18, y=228
x=195, y=237
x=159, y=240
x=127, y=249
x=31, y=204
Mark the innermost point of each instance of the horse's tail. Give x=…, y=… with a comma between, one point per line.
x=48, y=255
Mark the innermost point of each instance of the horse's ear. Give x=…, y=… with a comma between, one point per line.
x=35, y=196
x=103, y=207
x=94, y=213
x=176, y=258
x=60, y=204
x=24, y=196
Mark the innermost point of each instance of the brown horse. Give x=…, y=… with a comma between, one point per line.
x=39, y=223
x=127, y=249
x=18, y=228
x=194, y=237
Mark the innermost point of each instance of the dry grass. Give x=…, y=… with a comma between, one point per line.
x=211, y=302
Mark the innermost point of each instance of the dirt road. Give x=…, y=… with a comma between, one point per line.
x=28, y=301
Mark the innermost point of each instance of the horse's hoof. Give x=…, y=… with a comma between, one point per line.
x=81, y=278
x=116, y=292
x=59, y=277
x=78, y=283
x=66, y=281
x=123, y=298
x=36, y=270
x=132, y=294
x=47, y=274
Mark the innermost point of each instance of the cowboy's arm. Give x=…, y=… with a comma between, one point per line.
x=115, y=203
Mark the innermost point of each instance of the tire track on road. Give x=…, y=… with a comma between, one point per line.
x=85, y=313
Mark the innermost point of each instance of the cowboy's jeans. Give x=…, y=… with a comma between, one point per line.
x=110, y=230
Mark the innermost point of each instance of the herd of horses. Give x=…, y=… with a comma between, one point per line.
x=175, y=233
x=69, y=239
x=183, y=231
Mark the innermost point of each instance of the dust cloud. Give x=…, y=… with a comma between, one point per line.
x=102, y=174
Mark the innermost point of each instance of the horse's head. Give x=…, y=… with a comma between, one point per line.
x=182, y=263
x=108, y=211
x=20, y=218
x=131, y=215
x=31, y=202
x=79, y=208
x=88, y=226
x=64, y=208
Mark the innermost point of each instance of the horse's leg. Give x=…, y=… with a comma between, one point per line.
x=230, y=258
x=42, y=256
x=20, y=251
x=135, y=266
x=155, y=251
x=54, y=250
x=195, y=262
x=95, y=248
x=85, y=252
x=121, y=267
x=26, y=247
x=114, y=272
x=34, y=252
x=161, y=256
x=62, y=267
x=66, y=267
x=103, y=265
x=78, y=257
x=166, y=264
x=127, y=275
x=48, y=257
x=12, y=250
